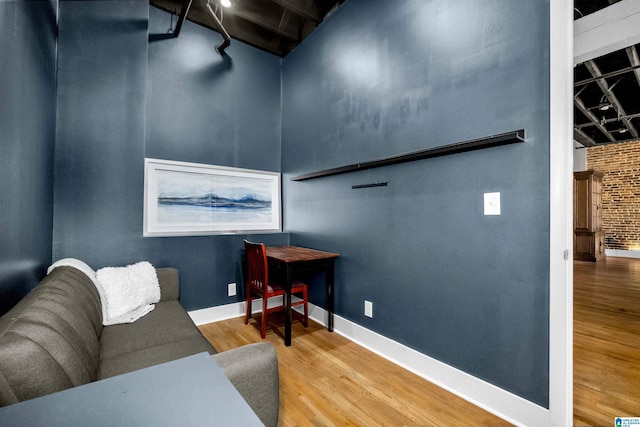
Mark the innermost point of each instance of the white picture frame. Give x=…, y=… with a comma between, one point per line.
x=192, y=199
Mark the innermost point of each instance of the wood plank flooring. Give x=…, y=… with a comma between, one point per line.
x=606, y=382
x=327, y=380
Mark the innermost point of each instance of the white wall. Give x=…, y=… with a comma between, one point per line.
x=579, y=158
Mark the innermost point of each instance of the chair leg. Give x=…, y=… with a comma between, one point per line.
x=263, y=329
x=305, y=296
x=248, y=311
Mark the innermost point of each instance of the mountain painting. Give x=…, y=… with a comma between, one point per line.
x=204, y=201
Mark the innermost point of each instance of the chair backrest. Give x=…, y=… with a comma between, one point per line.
x=257, y=269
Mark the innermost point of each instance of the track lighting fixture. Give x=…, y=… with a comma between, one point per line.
x=226, y=39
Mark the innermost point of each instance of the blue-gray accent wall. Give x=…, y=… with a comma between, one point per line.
x=206, y=108
x=122, y=98
x=219, y=110
x=377, y=78
x=102, y=67
x=27, y=123
x=381, y=78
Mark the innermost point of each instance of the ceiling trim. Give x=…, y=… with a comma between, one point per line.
x=610, y=29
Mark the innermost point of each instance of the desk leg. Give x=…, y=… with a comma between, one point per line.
x=287, y=312
x=330, y=292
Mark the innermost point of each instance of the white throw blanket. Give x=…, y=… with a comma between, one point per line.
x=126, y=293
x=130, y=292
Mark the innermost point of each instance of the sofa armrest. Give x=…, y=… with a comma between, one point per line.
x=169, y=284
x=253, y=370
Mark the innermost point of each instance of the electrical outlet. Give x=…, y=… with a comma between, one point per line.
x=231, y=289
x=368, y=308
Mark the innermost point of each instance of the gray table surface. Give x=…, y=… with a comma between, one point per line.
x=187, y=392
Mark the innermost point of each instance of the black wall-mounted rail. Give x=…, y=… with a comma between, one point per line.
x=459, y=147
x=373, y=184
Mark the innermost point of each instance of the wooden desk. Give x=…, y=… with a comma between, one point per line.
x=186, y=392
x=295, y=259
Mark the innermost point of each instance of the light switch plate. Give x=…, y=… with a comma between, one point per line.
x=492, y=203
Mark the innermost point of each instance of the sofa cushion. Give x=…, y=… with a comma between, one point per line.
x=28, y=370
x=169, y=283
x=165, y=334
x=145, y=357
x=167, y=323
x=49, y=340
x=79, y=293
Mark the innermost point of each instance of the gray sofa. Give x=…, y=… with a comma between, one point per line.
x=54, y=339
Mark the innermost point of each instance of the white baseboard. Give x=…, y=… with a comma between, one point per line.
x=622, y=253
x=489, y=397
x=230, y=311
x=217, y=314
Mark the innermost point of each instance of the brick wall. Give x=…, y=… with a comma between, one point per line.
x=620, y=192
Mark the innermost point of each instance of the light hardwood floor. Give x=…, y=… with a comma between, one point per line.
x=606, y=357
x=327, y=380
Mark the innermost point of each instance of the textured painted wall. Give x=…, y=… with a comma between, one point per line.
x=102, y=64
x=205, y=108
x=620, y=192
x=27, y=123
x=381, y=78
x=377, y=78
x=122, y=98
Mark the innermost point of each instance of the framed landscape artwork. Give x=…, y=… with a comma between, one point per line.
x=190, y=199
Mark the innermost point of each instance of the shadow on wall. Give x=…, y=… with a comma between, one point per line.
x=17, y=280
x=210, y=68
x=161, y=36
x=216, y=69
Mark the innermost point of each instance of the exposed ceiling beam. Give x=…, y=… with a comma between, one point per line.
x=303, y=8
x=269, y=22
x=582, y=138
x=605, y=121
x=276, y=26
x=610, y=29
x=592, y=117
x=611, y=97
x=634, y=59
x=607, y=75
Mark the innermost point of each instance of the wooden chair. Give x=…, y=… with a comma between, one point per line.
x=258, y=283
